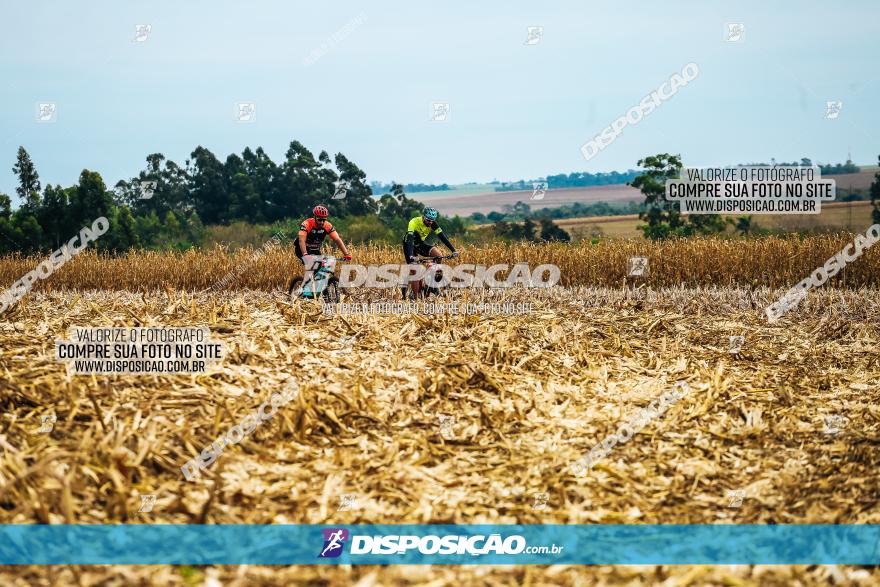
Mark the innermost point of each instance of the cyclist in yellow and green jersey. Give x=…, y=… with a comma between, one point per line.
x=418, y=234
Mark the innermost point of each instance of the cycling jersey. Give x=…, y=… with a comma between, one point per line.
x=315, y=234
x=417, y=232
x=420, y=230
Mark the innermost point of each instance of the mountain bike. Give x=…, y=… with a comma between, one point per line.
x=317, y=280
x=418, y=288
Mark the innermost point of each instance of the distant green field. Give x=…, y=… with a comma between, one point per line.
x=457, y=190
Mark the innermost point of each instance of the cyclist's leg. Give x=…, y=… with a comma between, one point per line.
x=404, y=283
x=410, y=281
x=296, y=279
x=299, y=252
x=424, y=250
x=308, y=272
x=434, y=252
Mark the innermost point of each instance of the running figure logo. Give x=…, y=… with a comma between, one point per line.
x=47, y=112
x=246, y=111
x=832, y=109
x=735, y=344
x=538, y=190
x=141, y=32
x=148, y=188
x=342, y=188
x=735, y=31
x=334, y=540
x=535, y=34
x=47, y=423
x=637, y=267
x=440, y=112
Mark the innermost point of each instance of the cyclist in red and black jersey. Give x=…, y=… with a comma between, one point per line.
x=312, y=233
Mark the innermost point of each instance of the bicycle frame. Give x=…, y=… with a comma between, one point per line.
x=418, y=286
x=317, y=274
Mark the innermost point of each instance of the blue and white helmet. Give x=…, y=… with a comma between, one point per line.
x=430, y=214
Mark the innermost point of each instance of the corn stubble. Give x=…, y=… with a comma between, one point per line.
x=527, y=395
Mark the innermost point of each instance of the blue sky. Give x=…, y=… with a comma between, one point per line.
x=516, y=110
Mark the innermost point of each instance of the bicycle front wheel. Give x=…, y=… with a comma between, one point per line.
x=331, y=291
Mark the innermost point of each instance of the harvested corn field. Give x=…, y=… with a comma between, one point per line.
x=453, y=419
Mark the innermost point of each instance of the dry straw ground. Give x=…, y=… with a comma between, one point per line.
x=527, y=395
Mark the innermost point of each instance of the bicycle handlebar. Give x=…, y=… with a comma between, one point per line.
x=423, y=259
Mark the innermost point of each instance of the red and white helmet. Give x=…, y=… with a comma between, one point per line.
x=320, y=212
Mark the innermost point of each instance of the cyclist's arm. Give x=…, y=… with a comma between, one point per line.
x=338, y=240
x=409, y=245
x=302, y=237
x=445, y=240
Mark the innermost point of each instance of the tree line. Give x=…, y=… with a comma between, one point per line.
x=577, y=179
x=542, y=231
x=827, y=169
x=168, y=205
x=521, y=210
x=379, y=187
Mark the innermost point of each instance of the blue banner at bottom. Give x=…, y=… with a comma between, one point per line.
x=440, y=544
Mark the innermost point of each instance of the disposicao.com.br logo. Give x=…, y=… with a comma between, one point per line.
x=431, y=544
